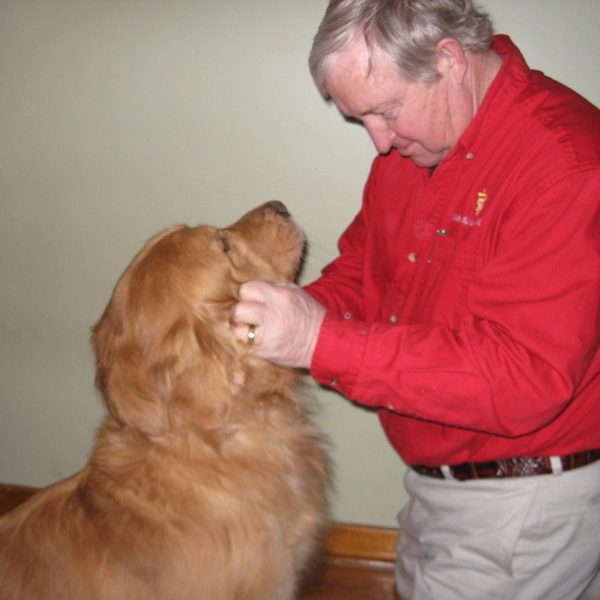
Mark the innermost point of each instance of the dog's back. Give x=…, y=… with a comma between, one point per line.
x=221, y=530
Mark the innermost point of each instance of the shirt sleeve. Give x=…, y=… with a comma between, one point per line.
x=521, y=351
x=340, y=287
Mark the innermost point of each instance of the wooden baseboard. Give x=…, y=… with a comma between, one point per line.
x=358, y=564
x=352, y=543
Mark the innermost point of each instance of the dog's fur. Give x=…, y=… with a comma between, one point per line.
x=207, y=480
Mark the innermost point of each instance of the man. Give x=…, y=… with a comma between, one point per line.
x=464, y=304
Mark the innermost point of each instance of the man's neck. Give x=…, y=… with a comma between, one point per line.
x=484, y=69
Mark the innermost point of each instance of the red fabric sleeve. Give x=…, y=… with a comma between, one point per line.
x=340, y=287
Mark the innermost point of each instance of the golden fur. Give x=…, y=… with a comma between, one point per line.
x=207, y=479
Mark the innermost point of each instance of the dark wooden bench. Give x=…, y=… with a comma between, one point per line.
x=358, y=562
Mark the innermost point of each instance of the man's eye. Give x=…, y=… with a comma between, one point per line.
x=355, y=120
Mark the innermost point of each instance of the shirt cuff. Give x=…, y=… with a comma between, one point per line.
x=339, y=353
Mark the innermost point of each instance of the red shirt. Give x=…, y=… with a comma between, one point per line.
x=464, y=305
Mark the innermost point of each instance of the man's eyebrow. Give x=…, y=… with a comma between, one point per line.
x=368, y=111
x=379, y=108
x=371, y=110
x=364, y=113
x=359, y=117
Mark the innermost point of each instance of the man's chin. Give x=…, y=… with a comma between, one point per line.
x=425, y=162
x=424, y=159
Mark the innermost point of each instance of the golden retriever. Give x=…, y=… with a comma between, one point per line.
x=207, y=479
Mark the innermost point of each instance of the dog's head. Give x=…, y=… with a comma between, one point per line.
x=165, y=353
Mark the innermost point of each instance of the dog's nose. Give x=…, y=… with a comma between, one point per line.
x=280, y=208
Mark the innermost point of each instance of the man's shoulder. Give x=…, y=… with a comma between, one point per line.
x=568, y=123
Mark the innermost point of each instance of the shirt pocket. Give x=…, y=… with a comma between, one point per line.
x=447, y=272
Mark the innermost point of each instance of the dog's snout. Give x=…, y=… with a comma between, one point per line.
x=280, y=208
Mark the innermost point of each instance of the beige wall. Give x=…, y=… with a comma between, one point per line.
x=120, y=117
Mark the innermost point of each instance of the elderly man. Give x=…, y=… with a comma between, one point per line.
x=464, y=304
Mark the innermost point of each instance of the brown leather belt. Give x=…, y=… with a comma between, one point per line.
x=511, y=467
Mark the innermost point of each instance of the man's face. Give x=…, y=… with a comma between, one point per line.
x=421, y=121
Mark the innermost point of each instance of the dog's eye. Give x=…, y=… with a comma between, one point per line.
x=225, y=242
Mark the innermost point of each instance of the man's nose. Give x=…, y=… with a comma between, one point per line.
x=381, y=135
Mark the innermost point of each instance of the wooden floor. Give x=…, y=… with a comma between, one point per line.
x=358, y=561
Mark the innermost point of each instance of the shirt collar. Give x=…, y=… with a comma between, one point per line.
x=508, y=84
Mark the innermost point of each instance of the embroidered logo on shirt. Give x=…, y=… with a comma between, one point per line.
x=481, y=200
x=468, y=221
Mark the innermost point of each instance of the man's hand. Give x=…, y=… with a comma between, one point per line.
x=283, y=322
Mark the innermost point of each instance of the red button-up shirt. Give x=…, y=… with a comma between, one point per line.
x=464, y=305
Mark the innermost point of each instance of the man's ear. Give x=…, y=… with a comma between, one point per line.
x=451, y=59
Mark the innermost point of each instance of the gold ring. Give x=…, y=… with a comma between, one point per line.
x=251, y=335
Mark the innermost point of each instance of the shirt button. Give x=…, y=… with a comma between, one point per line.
x=412, y=257
x=393, y=319
x=469, y=156
x=334, y=382
x=347, y=316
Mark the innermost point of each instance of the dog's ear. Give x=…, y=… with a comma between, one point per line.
x=193, y=376
x=123, y=376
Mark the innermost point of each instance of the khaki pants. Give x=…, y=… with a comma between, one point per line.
x=522, y=538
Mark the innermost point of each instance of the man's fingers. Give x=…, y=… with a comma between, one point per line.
x=247, y=315
x=279, y=322
x=254, y=291
x=255, y=298
x=246, y=312
x=246, y=334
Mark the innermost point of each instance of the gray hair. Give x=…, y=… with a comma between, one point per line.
x=407, y=31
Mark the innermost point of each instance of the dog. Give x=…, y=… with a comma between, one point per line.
x=207, y=479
